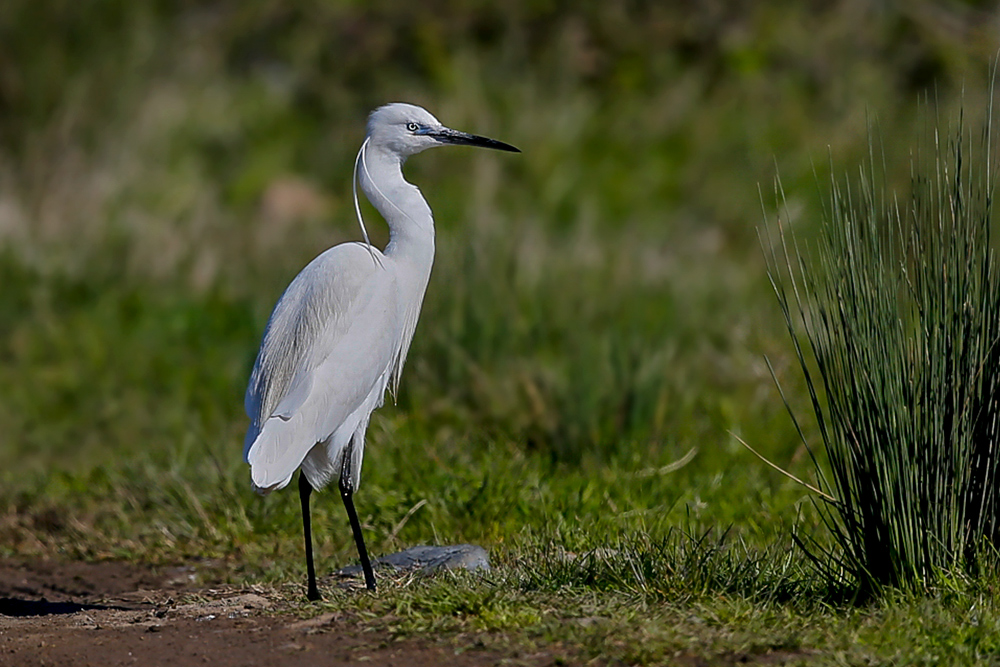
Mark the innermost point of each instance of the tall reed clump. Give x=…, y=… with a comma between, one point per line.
x=896, y=326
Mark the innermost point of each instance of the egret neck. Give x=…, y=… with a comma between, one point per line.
x=410, y=250
x=401, y=204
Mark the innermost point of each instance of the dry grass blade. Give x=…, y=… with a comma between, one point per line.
x=824, y=496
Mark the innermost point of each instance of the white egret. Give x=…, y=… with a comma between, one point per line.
x=339, y=334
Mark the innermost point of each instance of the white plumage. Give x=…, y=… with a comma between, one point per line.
x=339, y=334
x=323, y=367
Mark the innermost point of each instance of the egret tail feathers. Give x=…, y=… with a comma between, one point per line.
x=276, y=454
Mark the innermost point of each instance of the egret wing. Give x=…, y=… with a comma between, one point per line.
x=344, y=289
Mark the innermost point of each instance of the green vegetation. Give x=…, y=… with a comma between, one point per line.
x=599, y=307
x=903, y=330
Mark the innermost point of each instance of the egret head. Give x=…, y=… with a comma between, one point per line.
x=406, y=129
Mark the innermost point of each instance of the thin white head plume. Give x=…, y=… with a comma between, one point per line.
x=357, y=205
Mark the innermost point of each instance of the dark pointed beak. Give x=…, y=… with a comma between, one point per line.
x=449, y=136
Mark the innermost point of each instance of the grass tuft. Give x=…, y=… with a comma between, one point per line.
x=901, y=354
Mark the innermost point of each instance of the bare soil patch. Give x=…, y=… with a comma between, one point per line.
x=106, y=614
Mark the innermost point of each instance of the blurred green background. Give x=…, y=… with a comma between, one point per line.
x=598, y=310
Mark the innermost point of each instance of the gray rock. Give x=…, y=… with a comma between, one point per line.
x=427, y=560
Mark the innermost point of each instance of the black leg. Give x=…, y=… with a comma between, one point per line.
x=347, y=493
x=305, y=489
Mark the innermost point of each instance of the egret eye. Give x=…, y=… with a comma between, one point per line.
x=412, y=127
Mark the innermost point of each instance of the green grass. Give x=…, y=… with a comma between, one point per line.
x=599, y=306
x=712, y=629
x=901, y=321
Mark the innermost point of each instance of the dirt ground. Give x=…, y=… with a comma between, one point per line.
x=108, y=614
